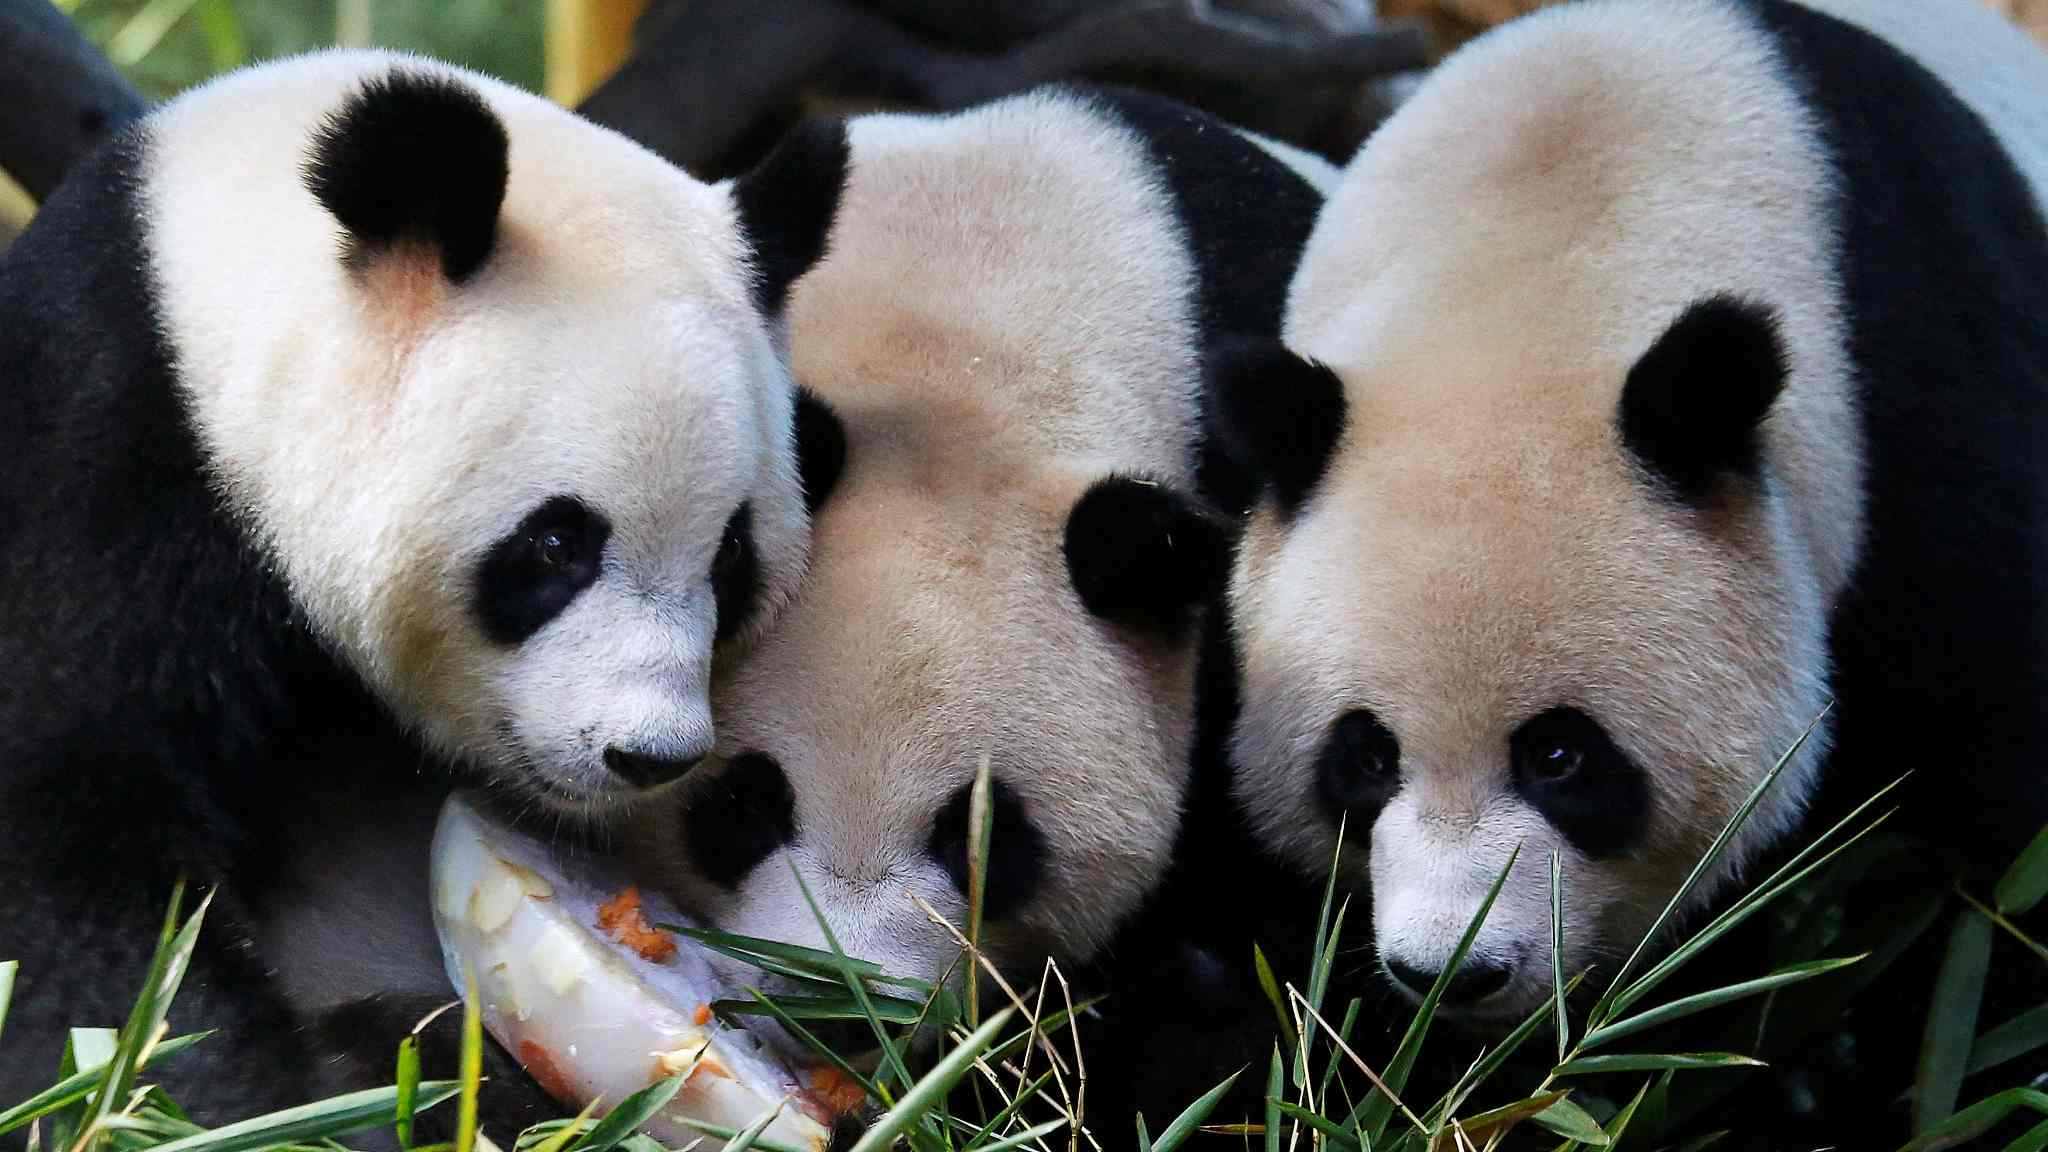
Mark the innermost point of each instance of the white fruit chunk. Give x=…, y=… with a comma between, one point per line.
x=586, y=1016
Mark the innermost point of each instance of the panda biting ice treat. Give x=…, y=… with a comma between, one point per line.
x=357, y=411
x=1659, y=373
x=1010, y=321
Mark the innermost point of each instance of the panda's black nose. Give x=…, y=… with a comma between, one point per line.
x=1475, y=979
x=642, y=770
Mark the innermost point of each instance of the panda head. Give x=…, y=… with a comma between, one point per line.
x=1048, y=631
x=493, y=390
x=1562, y=618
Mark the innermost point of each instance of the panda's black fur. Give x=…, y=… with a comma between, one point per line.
x=166, y=712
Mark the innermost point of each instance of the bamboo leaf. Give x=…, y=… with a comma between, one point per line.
x=1588, y=1065
x=839, y=1007
x=850, y=975
x=1271, y=987
x=721, y=1132
x=1008, y=1110
x=1026, y=1136
x=2033, y=1140
x=1977, y=1119
x=1951, y=1026
x=1706, y=862
x=1192, y=1116
x=1325, y=938
x=1700, y=1002
x=816, y=963
x=1275, y=1085
x=472, y=1068
x=1485, y=1124
x=73, y=1088
x=631, y=1113
x=928, y=1092
x=745, y=1137
x=1336, y=1050
x=2026, y=882
x=1144, y=1137
x=566, y=1132
x=372, y=1108
x=408, y=1086
x=7, y=970
x=1330, y=1129
x=1564, y=1024
x=804, y=1036
x=1573, y=1123
x=2008, y=1041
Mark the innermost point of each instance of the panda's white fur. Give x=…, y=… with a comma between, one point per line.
x=1497, y=257
x=1007, y=315
x=380, y=429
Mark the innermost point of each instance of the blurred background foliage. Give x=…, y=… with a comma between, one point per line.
x=168, y=45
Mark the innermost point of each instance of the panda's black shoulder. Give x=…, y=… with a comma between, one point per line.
x=1942, y=252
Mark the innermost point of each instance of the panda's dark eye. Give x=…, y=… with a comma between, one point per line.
x=1016, y=850
x=530, y=575
x=1359, y=767
x=1565, y=764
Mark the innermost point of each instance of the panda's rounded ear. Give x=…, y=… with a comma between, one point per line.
x=1144, y=555
x=413, y=157
x=820, y=448
x=1692, y=404
x=1276, y=416
x=787, y=204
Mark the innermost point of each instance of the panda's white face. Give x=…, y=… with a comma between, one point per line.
x=1487, y=617
x=521, y=474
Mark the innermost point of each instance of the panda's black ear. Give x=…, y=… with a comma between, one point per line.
x=1276, y=416
x=820, y=448
x=1144, y=555
x=1691, y=406
x=787, y=203
x=413, y=157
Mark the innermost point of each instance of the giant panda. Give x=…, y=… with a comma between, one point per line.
x=1661, y=373
x=358, y=411
x=1010, y=323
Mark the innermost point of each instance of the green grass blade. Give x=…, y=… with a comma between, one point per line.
x=1979, y=1118
x=811, y=962
x=927, y=1093
x=745, y=1137
x=372, y=1108
x=1002, y=1117
x=2026, y=882
x=2033, y=1140
x=1324, y=937
x=1144, y=1137
x=1572, y=1122
x=804, y=1036
x=1951, y=1027
x=1789, y=875
x=1276, y=1083
x=568, y=1130
x=1336, y=1050
x=160, y=986
x=1319, y=983
x=1378, y=1108
x=1483, y=1069
x=981, y=831
x=1192, y=1116
x=850, y=975
x=838, y=1007
x=1564, y=1023
x=75, y=1087
x=1271, y=987
x=631, y=1113
x=1026, y=1136
x=2009, y=1041
x=1331, y=1130
x=720, y=1132
x=472, y=1067
x=1699, y=871
x=1590, y=1065
x=1700, y=1002
x=7, y=970
x=407, y=1083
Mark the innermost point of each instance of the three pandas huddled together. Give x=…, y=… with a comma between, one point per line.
x=1662, y=388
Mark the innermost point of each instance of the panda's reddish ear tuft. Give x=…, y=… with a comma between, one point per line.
x=1144, y=555
x=413, y=157
x=1277, y=417
x=1692, y=404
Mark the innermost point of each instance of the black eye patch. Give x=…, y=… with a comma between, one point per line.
x=1016, y=850
x=736, y=573
x=1358, y=769
x=537, y=569
x=1569, y=769
x=738, y=819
